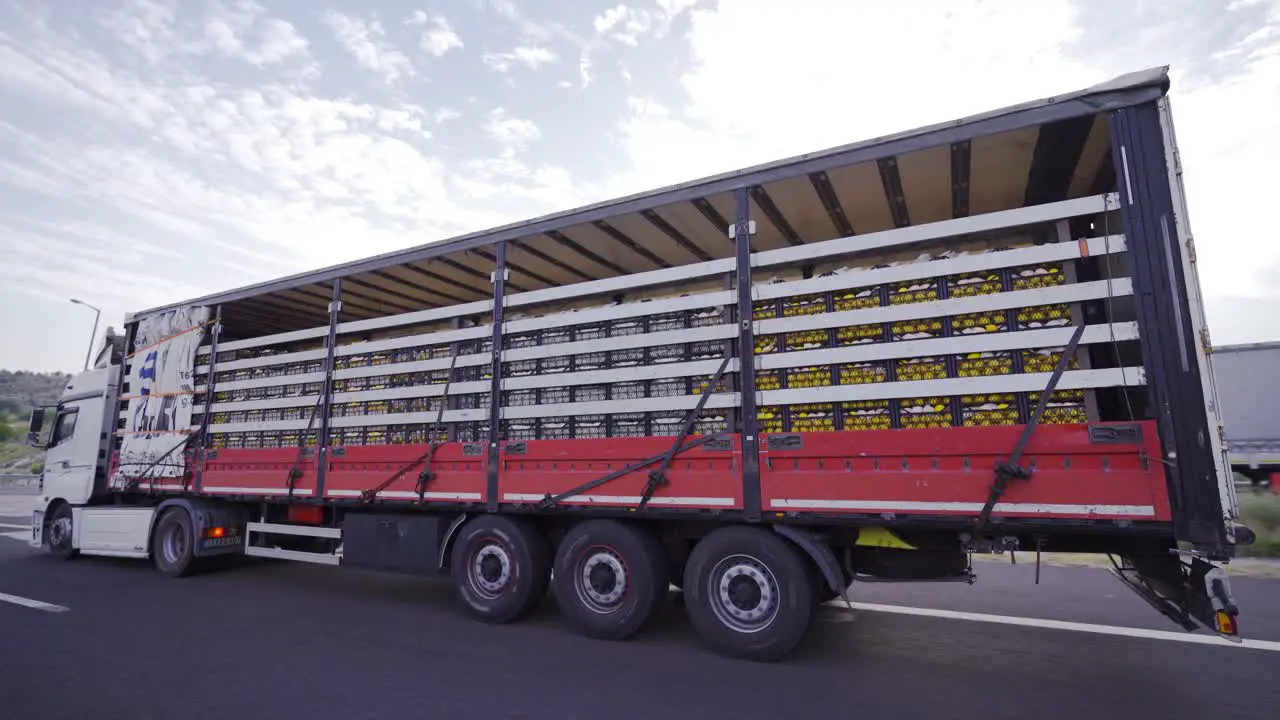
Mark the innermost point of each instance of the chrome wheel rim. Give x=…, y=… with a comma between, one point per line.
x=744, y=594
x=490, y=571
x=601, y=581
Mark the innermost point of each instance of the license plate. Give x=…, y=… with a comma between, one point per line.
x=37, y=528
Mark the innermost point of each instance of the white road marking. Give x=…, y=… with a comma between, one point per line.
x=18, y=534
x=33, y=604
x=1195, y=639
x=16, y=527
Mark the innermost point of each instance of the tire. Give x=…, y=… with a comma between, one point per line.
x=611, y=578
x=749, y=593
x=173, y=544
x=500, y=567
x=58, y=532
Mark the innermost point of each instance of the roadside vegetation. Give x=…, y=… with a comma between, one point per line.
x=19, y=393
x=1260, y=511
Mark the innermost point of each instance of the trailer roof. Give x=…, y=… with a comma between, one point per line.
x=1026, y=154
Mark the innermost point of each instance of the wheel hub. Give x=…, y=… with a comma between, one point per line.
x=744, y=594
x=491, y=570
x=60, y=531
x=602, y=582
x=175, y=543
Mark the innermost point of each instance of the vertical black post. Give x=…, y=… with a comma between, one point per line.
x=746, y=358
x=1166, y=331
x=495, y=392
x=210, y=389
x=326, y=402
x=115, y=440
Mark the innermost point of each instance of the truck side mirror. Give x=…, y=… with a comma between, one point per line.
x=40, y=426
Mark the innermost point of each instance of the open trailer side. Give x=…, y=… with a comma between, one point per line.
x=865, y=363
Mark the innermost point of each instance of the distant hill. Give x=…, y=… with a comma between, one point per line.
x=21, y=391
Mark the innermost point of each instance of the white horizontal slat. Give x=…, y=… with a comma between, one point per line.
x=277, y=339
x=639, y=372
x=413, y=391
x=399, y=393
x=985, y=342
x=1027, y=382
x=978, y=262
x=1075, y=292
x=436, y=338
x=478, y=307
x=651, y=278
x=263, y=404
x=412, y=367
x=603, y=407
x=622, y=342
x=278, y=381
x=419, y=418
x=901, y=237
x=624, y=310
x=267, y=361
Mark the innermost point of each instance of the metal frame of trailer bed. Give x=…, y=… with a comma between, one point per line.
x=729, y=231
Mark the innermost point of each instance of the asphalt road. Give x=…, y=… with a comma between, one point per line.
x=285, y=640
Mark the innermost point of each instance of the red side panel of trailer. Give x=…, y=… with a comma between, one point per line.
x=457, y=472
x=1104, y=471
x=1101, y=471
x=707, y=477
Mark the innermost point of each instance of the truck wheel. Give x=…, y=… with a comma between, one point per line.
x=749, y=593
x=57, y=532
x=173, y=544
x=500, y=567
x=610, y=578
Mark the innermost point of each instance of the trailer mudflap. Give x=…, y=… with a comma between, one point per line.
x=1192, y=594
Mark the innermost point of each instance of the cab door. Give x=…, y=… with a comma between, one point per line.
x=71, y=461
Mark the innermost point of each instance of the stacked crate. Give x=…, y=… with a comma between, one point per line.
x=620, y=422
x=993, y=409
x=402, y=375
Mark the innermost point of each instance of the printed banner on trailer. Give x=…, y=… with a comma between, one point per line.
x=161, y=387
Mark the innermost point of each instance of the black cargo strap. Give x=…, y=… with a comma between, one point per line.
x=295, y=472
x=427, y=475
x=657, y=476
x=131, y=483
x=1011, y=470
x=551, y=501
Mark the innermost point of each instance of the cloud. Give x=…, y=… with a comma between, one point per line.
x=240, y=30
x=438, y=38
x=814, y=87
x=217, y=146
x=624, y=24
x=511, y=132
x=365, y=40
x=532, y=57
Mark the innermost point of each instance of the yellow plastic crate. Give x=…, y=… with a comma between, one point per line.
x=866, y=415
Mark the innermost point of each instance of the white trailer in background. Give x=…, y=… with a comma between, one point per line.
x=1248, y=381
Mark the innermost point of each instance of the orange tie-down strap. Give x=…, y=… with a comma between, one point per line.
x=164, y=340
x=139, y=396
x=156, y=432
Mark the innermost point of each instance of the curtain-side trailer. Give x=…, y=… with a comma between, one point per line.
x=1250, y=411
x=867, y=363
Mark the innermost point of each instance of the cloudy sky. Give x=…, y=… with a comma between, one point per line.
x=152, y=150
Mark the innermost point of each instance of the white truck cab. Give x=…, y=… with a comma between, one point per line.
x=74, y=435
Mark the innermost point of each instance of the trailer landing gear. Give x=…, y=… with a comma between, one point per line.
x=500, y=567
x=749, y=593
